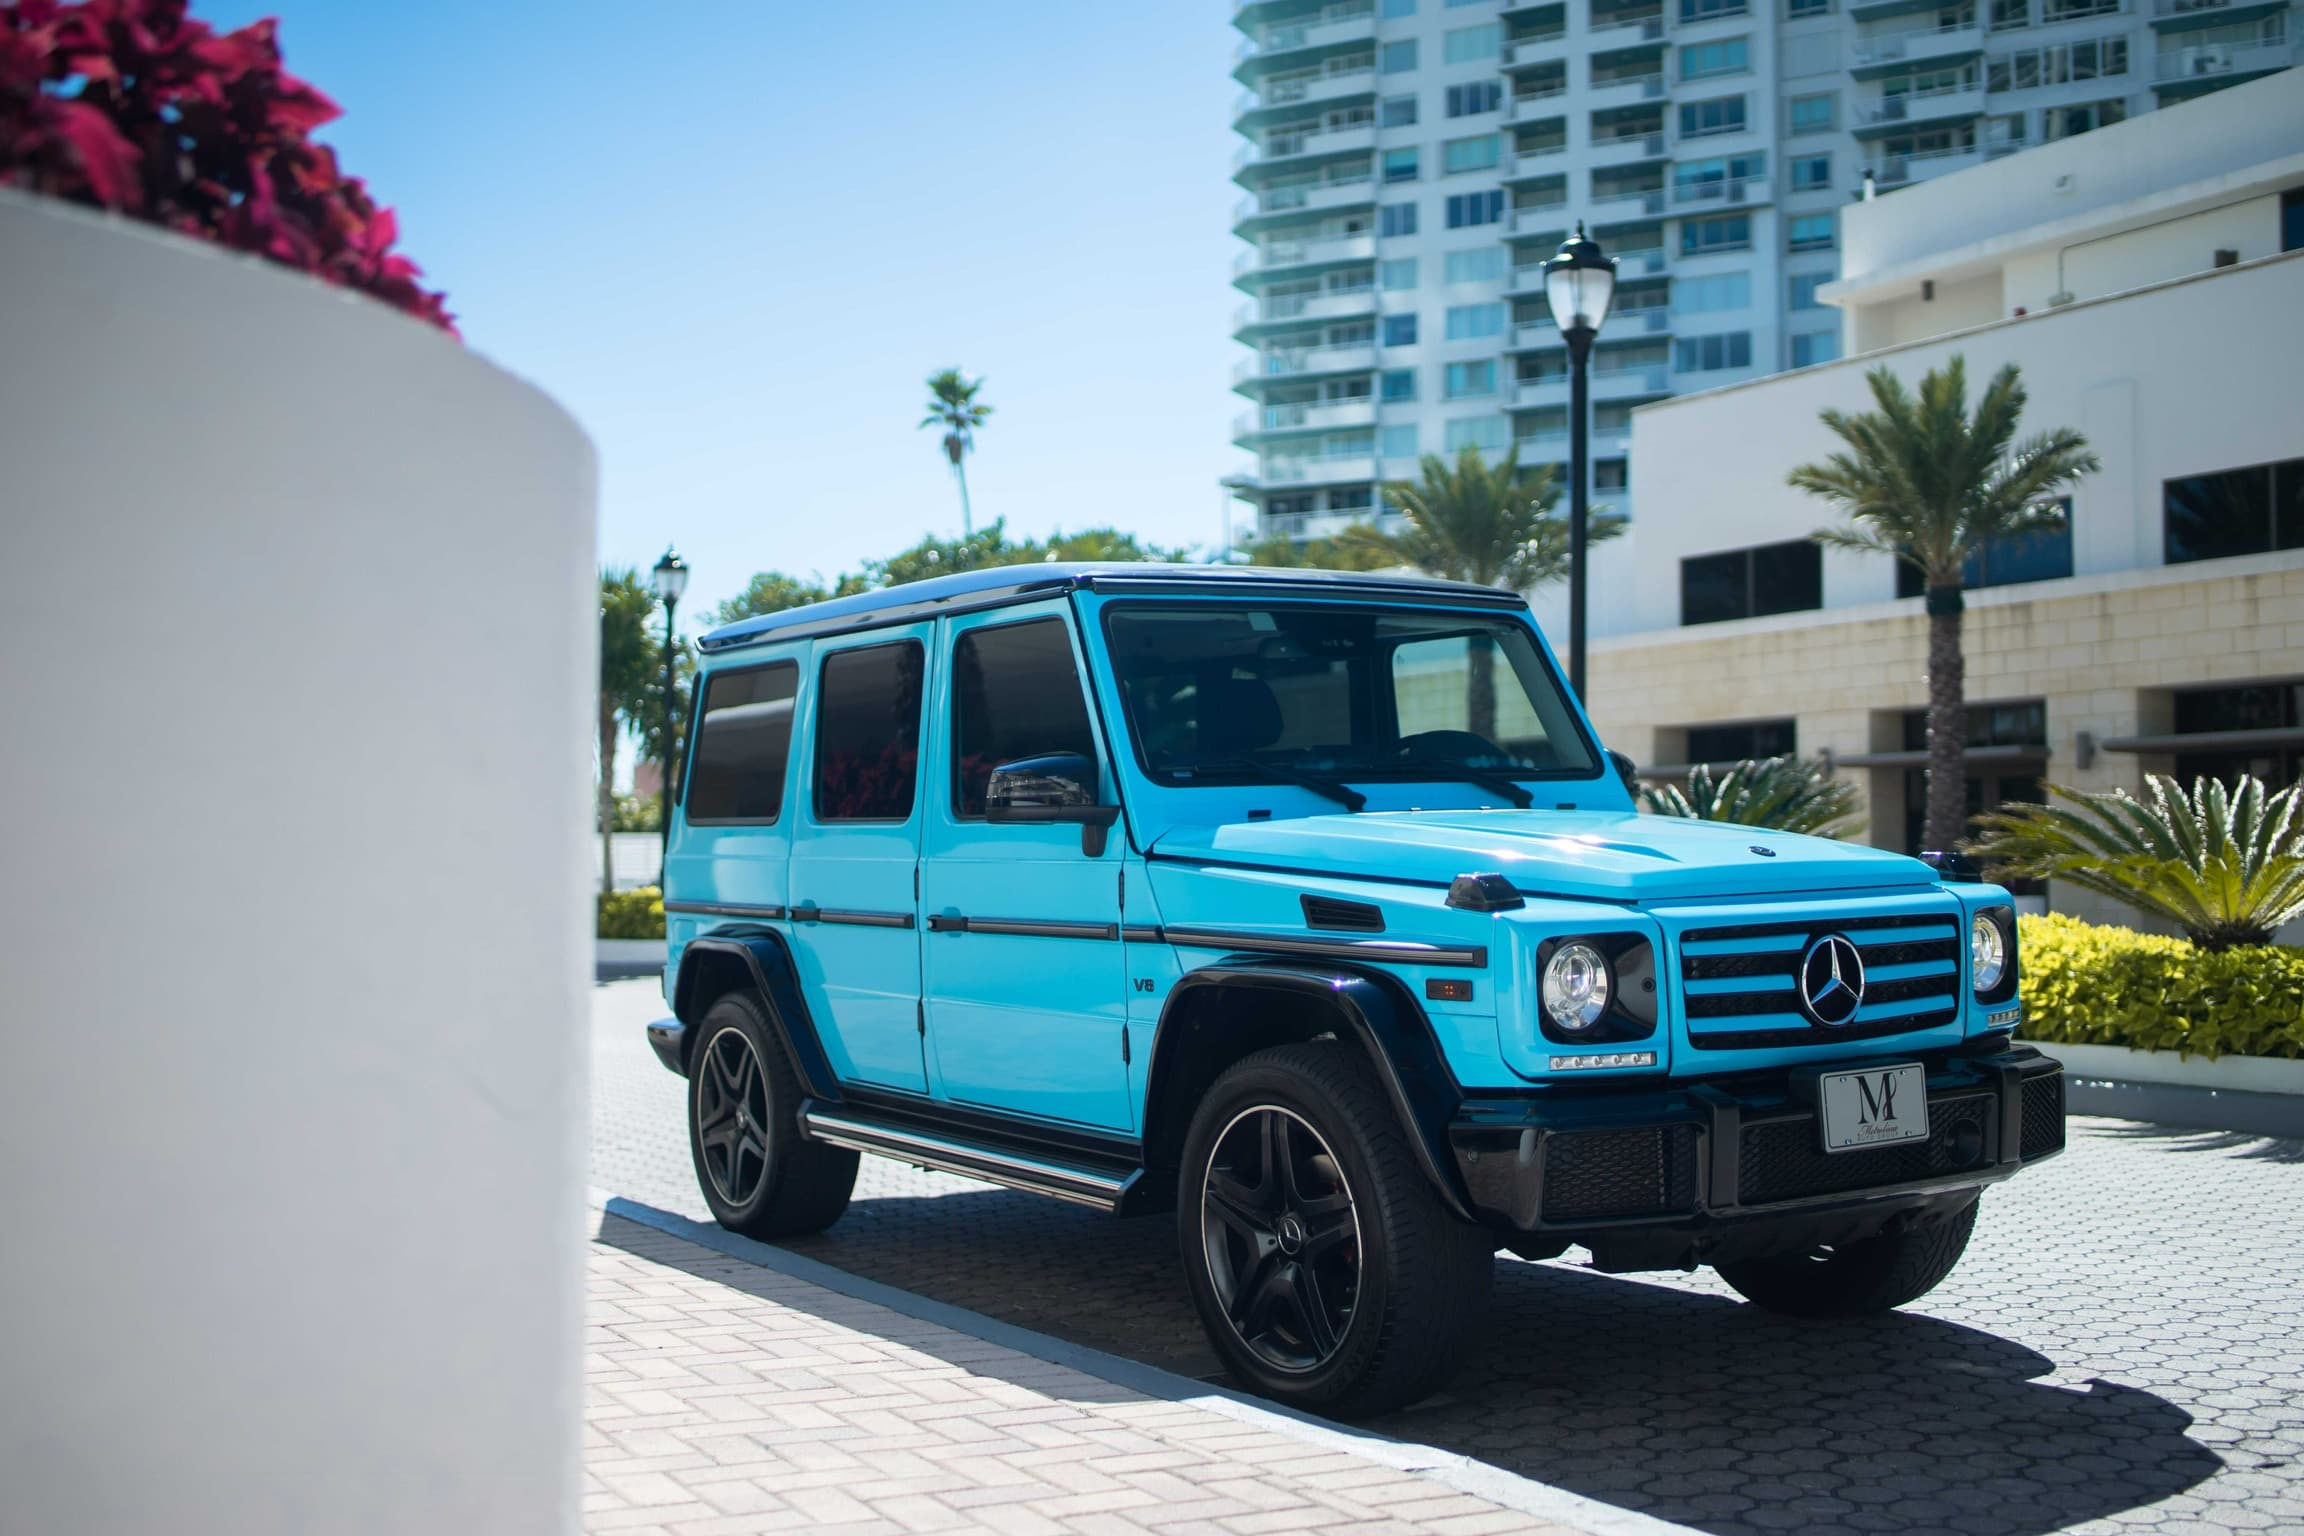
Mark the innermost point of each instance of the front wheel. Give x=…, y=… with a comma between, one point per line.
x=759, y=1176
x=1875, y=1274
x=1326, y=1271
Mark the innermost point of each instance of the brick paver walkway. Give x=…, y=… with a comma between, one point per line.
x=726, y=1397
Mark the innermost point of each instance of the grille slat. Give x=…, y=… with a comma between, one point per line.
x=1919, y=954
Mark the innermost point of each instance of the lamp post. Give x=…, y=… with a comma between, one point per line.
x=671, y=580
x=1579, y=285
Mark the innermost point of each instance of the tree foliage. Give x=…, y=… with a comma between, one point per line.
x=625, y=667
x=1789, y=794
x=1491, y=523
x=2224, y=864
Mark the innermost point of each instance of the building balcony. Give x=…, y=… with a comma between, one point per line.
x=1304, y=416
x=2213, y=64
x=1650, y=318
x=1537, y=218
x=1303, y=309
x=1904, y=170
x=1727, y=192
x=1303, y=200
x=1536, y=336
x=1544, y=161
x=1552, y=447
x=1320, y=469
x=1536, y=105
x=1540, y=48
x=1531, y=394
x=1302, y=363
x=1297, y=93
x=2184, y=15
x=1343, y=29
x=1272, y=257
x=1646, y=381
x=1644, y=261
x=1883, y=10
x=1884, y=52
x=1627, y=149
x=1914, y=108
x=1624, y=90
x=1626, y=31
x=1632, y=203
x=1288, y=148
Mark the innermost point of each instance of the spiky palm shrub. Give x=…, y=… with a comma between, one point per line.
x=1788, y=794
x=2226, y=865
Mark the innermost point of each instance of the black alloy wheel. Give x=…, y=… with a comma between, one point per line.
x=732, y=1116
x=1282, y=1236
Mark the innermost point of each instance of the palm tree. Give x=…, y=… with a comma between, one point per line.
x=1788, y=794
x=1924, y=481
x=1487, y=523
x=952, y=405
x=2224, y=865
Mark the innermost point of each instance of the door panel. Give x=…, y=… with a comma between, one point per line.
x=856, y=855
x=1027, y=1003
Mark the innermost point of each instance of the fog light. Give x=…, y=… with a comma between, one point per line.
x=1575, y=986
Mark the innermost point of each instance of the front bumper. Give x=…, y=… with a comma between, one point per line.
x=1664, y=1178
x=670, y=1039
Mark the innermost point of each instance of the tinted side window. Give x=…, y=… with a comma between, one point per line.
x=1016, y=693
x=868, y=733
x=742, y=744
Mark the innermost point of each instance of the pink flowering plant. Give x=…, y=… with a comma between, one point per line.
x=132, y=106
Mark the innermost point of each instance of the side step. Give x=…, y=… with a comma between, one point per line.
x=1103, y=1188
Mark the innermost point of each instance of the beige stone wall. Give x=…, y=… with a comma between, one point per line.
x=2102, y=652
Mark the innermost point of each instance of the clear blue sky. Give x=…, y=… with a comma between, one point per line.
x=733, y=238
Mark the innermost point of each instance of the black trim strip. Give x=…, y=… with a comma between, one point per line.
x=1143, y=933
x=846, y=917
x=1021, y=927
x=723, y=909
x=1406, y=950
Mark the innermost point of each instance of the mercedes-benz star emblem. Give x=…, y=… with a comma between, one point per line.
x=1832, y=980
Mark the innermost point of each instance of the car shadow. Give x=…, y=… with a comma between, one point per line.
x=1680, y=1404
x=2176, y=1138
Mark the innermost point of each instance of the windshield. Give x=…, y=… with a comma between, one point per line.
x=1217, y=691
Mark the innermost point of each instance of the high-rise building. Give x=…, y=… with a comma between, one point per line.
x=1410, y=164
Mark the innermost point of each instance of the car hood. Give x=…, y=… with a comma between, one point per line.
x=1594, y=855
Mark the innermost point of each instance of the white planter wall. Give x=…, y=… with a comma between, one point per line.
x=291, y=1243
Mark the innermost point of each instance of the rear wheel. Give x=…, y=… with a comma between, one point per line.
x=1325, y=1269
x=1875, y=1274
x=759, y=1176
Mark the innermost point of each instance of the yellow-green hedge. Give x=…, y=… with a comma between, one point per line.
x=2088, y=984
x=632, y=914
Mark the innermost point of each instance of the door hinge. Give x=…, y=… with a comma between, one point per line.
x=1124, y=1058
x=920, y=1018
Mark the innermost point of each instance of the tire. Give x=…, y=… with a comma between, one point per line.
x=759, y=1175
x=1368, y=1299
x=1876, y=1274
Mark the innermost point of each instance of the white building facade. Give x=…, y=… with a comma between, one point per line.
x=2149, y=282
x=1409, y=164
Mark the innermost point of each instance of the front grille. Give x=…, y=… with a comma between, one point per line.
x=1590, y=1175
x=1739, y=986
x=1786, y=1160
x=2044, y=1115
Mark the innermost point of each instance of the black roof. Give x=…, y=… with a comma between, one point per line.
x=966, y=590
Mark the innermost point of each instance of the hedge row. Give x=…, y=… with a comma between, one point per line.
x=2088, y=984
x=632, y=914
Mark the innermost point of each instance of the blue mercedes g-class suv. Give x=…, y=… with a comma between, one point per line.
x=1307, y=906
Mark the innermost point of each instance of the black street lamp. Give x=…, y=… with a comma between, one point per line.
x=1579, y=284
x=671, y=580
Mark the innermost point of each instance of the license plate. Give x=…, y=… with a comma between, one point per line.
x=1874, y=1107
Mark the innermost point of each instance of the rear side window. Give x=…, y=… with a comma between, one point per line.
x=1016, y=694
x=743, y=744
x=868, y=733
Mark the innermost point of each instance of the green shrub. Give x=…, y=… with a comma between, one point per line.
x=2089, y=984
x=632, y=914
x=1789, y=794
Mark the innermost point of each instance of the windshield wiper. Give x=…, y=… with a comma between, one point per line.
x=1494, y=783
x=1280, y=773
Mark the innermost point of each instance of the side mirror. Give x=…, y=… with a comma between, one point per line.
x=1055, y=787
x=1627, y=770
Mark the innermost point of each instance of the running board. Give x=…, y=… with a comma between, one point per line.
x=1102, y=1189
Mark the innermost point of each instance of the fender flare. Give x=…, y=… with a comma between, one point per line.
x=1371, y=1007
x=766, y=956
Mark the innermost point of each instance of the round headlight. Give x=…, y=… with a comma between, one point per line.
x=1575, y=986
x=1987, y=952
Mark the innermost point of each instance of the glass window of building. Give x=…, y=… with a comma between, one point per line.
x=2021, y=724
x=1814, y=231
x=2292, y=219
x=2257, y=709
x=1722, y=114
x=2068, y=122
x=1710, y=10
x=1743, y=741
x=1466, y=209
x=1458, y=156
x=1483, y=265
x=1804, y=286
x=1610, y=475
x=2010, y=15
x=2042, y=556
x=1469, y=45
x=1813, y=114
x=1396, y=219
x=1467, y=380
x=1399, y=383
x=1486, y=433
x=1708, y=295
x=1400, y=330
x=1731, y=232
x=1811, y=173
x=1752, y=583
x=1399, y=442
x=1398, y=274
x=1794, y=10
x=2233, y=512
x=1728, y=56
x=1398, y=58
x=1475, y=98
x=1469, y=322
x=1711, y=354
x=1400, y=164
x=1399, y=112
x=1812, y=347
x=1395, y=9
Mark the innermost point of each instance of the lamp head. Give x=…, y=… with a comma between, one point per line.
x=1580, y=284
x=671, y=576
